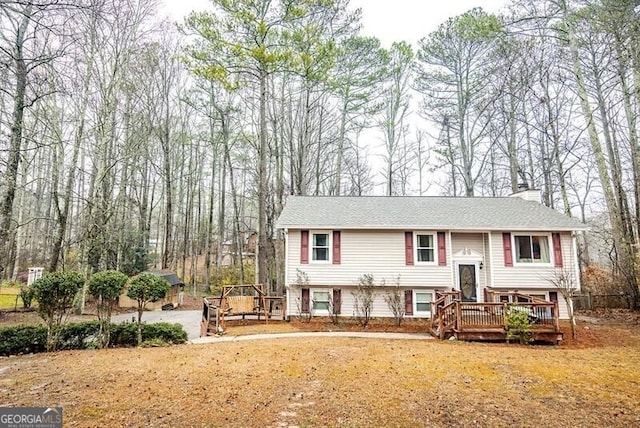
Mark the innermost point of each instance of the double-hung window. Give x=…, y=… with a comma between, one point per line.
x=425, y=247
x=320, y=247
x=320, y=300
x=423, y=302
x=532, y=248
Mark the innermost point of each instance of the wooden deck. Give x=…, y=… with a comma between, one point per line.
x=487, y=320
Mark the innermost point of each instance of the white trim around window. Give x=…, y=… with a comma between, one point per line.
x=320, y=246
x=425, y=244
x=422, y=303
x=532, y=249
x=320, y=300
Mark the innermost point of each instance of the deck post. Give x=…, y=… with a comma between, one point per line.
x=504, y=316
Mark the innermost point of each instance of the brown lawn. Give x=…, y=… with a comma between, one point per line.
x=594, y=381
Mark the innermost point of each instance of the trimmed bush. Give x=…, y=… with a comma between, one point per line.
x=167, y=332
x=126, y=334
x=78, y=335
x=23, y=339
x=26, y=339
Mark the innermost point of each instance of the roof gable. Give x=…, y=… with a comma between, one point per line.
x=401, y=212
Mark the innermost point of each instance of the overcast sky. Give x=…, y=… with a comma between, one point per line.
x=388, y=20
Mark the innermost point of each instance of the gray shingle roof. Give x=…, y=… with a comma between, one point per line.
x=399, y=212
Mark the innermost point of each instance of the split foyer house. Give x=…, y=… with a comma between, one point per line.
x=485, y=248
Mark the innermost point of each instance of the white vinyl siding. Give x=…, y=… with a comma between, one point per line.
x=532, y=275
x=347, y=307
x=473, y=242
x=382, y=254
x=461, y=241
x=379, y=253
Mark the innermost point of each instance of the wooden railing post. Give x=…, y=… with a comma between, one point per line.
x=504, y=315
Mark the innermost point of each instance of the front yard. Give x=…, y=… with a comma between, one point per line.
x=594, y=381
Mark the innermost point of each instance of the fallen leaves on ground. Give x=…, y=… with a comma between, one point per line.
x=593, y=381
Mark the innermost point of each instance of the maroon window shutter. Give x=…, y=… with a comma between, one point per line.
x=442, y=249
x=557, y=249
x=305, y=300
x=304, y=247
x=336, y=247
x=337, y=300
x=508, y=254
x=408, y=248
x=408, y=302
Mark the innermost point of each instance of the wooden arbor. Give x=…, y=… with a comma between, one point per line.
x=256, y=303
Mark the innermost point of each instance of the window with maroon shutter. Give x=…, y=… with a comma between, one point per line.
x=408, y=302
x=442, y=249
x=336, y=247
x=337, y=300
x=557, y=249
x=304, y=247
x=305, y=300
x=508, y=254
x=408, y=248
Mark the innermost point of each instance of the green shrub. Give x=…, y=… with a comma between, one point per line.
x=167, y=332
x=78, y=335
x=518, y=324
x=145, y=288
x=126, y=334
x=23, y=339
x=54, y=293
x=26, y=339
x=27, y=295
x=106, y=287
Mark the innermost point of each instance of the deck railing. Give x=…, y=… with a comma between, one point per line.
x=216, y=308
x=458, y=316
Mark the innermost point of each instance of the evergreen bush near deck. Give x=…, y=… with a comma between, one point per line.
x=518, y=324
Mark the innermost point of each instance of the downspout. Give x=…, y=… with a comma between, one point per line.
x=450, y=255
x=485, y=262
x=286, y=273
x=491, y=260
x=576, y=263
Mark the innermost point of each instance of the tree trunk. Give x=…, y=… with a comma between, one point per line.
x=261, y=248
x=63, y=214
x=622, y=245
x=15, y=144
